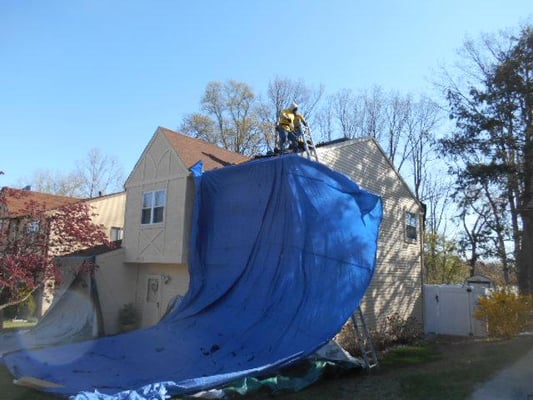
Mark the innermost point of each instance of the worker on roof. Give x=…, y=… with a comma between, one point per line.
x=299, y=120
x=285, y=127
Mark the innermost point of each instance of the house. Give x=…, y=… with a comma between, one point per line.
x=151, y=267
x=108, y=209
x=14, y=219
x=396, y=288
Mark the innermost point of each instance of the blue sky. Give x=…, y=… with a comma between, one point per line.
x=81, y=74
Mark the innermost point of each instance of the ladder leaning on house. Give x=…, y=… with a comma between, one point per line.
x=364, y=340
x=309, y=144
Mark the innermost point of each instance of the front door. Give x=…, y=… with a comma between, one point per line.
x=152, y=300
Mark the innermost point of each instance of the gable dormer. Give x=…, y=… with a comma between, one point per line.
x=160, y=194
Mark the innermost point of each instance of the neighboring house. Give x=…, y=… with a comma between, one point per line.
x=13, y=208
x=396, y=287
x=151, y=267
x=107, y=211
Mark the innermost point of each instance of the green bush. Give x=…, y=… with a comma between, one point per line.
x=506, y=313
x=128, y=315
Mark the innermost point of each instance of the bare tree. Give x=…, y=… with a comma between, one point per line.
x=231, y=118
x=47, y=181
x=397, y=111
x=437, y=200
x=324, y=122
x=201, y=127
x=282, y=92
x=99, y=173
x=347, y=113
x=374, y=113
x=421, y=145
x=96, y=173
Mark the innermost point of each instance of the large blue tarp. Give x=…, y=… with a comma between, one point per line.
x=282, y=251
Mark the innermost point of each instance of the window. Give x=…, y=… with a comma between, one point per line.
x=116, y=233
x=153, y=207
x=411, y=226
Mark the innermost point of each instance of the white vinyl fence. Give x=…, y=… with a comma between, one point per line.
x=449, y=309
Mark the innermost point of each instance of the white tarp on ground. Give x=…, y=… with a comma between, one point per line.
x=71, y=317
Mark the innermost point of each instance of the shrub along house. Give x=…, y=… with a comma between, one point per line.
x=151, y=267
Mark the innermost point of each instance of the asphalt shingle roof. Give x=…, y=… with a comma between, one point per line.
x=16, y=200
x=192, y=150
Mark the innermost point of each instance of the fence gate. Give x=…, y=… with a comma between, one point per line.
x=449, y=310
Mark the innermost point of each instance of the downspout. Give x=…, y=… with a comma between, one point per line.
x=93, y=291
x=422, y=221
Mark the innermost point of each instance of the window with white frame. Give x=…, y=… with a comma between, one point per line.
x=116, y=233
x=411, y=226
x=153, y=207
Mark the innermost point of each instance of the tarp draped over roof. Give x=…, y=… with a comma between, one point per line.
x=283, y=250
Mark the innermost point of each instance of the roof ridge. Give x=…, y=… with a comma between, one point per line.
x=42, y=193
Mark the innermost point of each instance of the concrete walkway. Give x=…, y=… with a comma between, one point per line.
x=512, y=383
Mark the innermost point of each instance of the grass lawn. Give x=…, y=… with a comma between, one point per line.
x=441, y=368
x=18, y=324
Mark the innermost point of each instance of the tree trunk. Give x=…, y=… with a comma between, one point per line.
x=525, y=265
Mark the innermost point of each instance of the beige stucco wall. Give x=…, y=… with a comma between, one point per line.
x=158, y=169
x=121, y=283
x=156, y=251
x=116, y=283
x=174, y=281
x=397, y=283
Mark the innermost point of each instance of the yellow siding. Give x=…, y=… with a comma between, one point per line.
x=397, y=283
x=109, y=210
